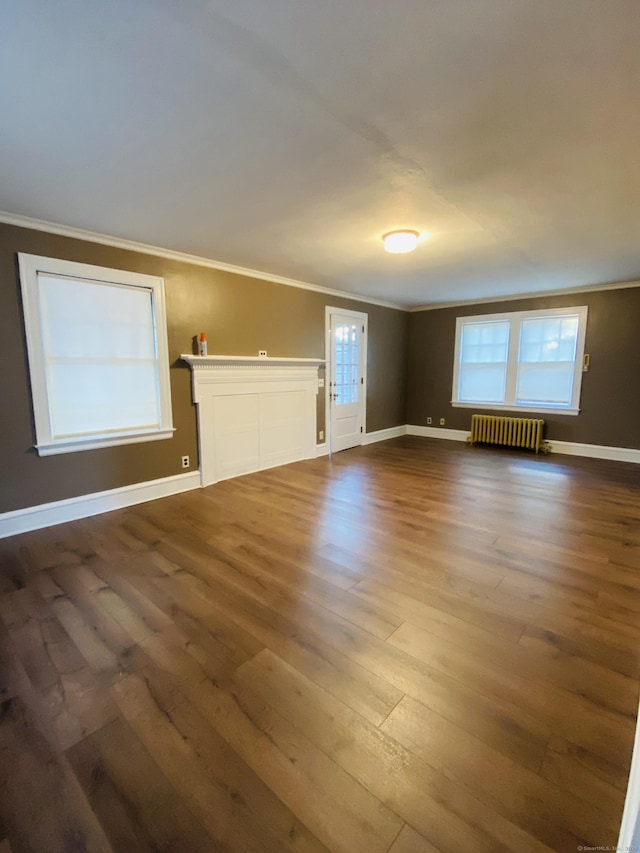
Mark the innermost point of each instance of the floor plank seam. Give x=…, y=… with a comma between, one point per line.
x=392, y=843
x=382, y=722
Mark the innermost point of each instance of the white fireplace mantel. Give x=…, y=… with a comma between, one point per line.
x=220, y=360
x=253, y=413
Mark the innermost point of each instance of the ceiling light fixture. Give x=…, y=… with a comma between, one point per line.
x=399, y=242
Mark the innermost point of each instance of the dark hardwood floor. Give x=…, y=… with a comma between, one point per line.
x=413, y=646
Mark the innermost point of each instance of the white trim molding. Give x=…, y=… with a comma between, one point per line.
x=506, y=410
x=16, y=219
x=514, y=362
x=69, y=433
x=568, y=448
x=384, y=434
x=58, y=512
x=536, y=294
x=69, y=446
x=438, y=432
x=182, y=257
x=595, y=451
x=247, y=361
x=70, y=509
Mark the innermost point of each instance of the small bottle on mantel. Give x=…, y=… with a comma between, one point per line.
x=202, y=344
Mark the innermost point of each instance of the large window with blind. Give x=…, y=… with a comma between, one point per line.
x=522, y=361
x=98, y=356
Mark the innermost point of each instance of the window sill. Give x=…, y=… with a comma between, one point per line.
x=96, y=442
x=507, y=409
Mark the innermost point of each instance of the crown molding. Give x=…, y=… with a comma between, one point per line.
x=209, y=263
x=159, y=252
x=587, y=288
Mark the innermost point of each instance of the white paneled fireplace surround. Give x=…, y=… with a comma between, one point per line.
x=253, y=413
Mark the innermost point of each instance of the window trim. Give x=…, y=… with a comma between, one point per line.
x=46, y=444
x=515, y=318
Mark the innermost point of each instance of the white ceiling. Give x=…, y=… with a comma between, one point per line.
x=288, y=135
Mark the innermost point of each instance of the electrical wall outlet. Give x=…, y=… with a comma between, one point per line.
x=262, y=353
x=429, y=420
x=441, y=421
x=185, y=461
x=321, y=435
x=321, y=382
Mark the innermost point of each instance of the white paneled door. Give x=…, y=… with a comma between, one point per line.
x=347, y=379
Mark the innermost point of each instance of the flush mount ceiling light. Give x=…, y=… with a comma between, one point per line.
x=399, y=242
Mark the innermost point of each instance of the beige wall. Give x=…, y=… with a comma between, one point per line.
x=410, y=364
x=241, y=315
x=610, y=402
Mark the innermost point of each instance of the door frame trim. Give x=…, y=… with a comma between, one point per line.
x=362, y=317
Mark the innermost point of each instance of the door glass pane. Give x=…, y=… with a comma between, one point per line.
x=347, y=364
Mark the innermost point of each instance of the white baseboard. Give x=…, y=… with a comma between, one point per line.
x=438, y=432
x=368, y=438
x=595, y=451
x=570, y=448
x=384, y=434
x=57, y=512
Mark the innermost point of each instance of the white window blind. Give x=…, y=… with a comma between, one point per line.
x=484, y=352
x=546, y=362
x=97, y=355
x=521, y=361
